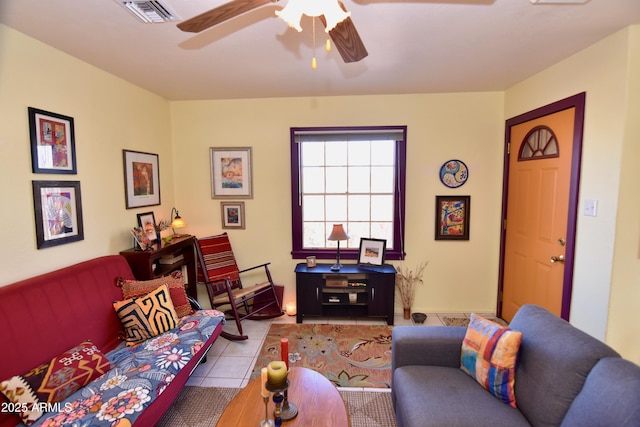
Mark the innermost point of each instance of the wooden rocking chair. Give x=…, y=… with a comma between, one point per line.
x=218, y=270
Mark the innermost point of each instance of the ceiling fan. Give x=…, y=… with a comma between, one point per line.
x=344, y=35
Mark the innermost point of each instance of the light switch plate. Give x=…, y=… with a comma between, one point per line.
x=590, y=207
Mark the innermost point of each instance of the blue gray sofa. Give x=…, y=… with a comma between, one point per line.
x=564, y=377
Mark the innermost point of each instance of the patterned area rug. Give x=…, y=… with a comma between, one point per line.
x=464, y=321
x=202, y=407
x=347, y=355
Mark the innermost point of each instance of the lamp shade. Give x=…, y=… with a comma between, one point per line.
x=338, y=233
x=177, y=221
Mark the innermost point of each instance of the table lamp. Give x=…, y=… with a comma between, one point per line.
x=176, y=222
x=337, y=234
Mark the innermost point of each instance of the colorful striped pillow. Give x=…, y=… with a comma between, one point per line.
x=489, y=353
x=147, y=316
x=175, y=283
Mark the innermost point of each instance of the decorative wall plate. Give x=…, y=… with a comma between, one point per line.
x=454, y=173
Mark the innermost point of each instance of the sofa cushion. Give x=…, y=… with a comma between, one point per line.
x=54, y=381
x=610, y=396
x=441, y=396
x=554, y=361
x=147, y=316
x=175, y=283
x=489, y=353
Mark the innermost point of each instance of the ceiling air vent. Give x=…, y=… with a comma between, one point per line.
x=150, y=11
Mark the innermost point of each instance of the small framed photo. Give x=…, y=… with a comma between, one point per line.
x=231, y=174
x=372, y=251
x=53, y=142
x=232, y=215
x=452, y=217
x=147, y=222
x=141, y=179
x=58, y=212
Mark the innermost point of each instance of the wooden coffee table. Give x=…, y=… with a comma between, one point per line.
x=318, y=401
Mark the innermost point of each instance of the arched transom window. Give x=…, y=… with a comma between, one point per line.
x=539, y=143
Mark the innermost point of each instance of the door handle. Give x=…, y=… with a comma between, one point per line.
x=559, y=258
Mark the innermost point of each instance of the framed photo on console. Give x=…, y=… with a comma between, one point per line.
x=58, y=212
x=372, y=251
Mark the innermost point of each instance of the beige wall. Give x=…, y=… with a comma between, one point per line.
x=110, y=115
x=622, y=328
x=461, y=276
x=604, y=72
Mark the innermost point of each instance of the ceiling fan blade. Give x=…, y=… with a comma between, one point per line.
x=346, y=39
x=220, y=14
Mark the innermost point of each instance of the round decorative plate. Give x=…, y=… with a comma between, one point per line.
x=454, y=173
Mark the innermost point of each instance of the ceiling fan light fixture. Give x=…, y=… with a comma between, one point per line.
x=293, y=11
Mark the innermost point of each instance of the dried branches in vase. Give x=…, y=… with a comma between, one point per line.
x=406, y=282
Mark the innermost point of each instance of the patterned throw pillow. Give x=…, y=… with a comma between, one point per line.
x=175, y=282
x=489, y=353
x=54, y=381
x=147, y=316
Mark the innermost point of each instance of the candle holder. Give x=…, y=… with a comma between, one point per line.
x=278, y=398
x=267, y=422
x=289, y=410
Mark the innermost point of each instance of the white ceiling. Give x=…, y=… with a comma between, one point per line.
x=415, y=46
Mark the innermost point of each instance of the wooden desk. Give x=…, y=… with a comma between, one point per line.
x=318, y=401
x=146, y=265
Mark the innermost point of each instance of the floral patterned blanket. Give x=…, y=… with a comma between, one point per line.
x=138, y=375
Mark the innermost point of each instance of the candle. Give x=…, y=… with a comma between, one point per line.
x=284, y=351
x=263, y=378
x=277, y=373
x=291, y=308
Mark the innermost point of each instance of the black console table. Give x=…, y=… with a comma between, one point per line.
x=354, y=290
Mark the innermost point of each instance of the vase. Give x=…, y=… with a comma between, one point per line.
x=407, y=313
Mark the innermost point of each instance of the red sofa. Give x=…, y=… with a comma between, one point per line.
x=44, y=316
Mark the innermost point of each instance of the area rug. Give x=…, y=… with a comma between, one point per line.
x=464, y=321
x=203, y=406
x=347, y=355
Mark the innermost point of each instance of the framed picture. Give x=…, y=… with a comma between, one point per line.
x=232, y=215
x=141, y=179
x=231, y=175
x=452, y=217
x=147, y=222
x=53, y=142
x=58, y=211
x=372, y=251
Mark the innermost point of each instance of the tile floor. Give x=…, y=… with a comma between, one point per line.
x=230, y=363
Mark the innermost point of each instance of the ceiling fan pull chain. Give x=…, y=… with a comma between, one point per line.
x=314, y=65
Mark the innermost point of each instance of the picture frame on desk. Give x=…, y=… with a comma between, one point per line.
x=372, y=251
x=147, y=222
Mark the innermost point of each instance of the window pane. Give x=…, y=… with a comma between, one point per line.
x=313, y=208
x=336, y=180
x=336, y=153
x=359, y=152
x=336, y=209
x=313, y=180
x=355, y=231
x=383, y=152
x=313, y=235
x=382, y=179
x=359, y=208
x=359, y=179
x=383, y=230
x=312, y=153
x=382, y=208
